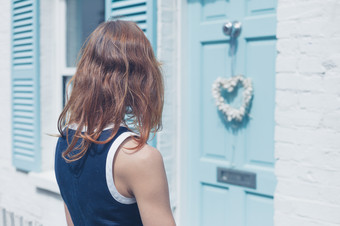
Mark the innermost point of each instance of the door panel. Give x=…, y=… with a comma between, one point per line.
x=259, y=210
x=213, y=62
x=247, y=146
x=261, y=69
x=212, y=196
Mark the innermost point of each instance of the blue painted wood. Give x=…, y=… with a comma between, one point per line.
x=25, y=85
x=151, y=22
x=213, y=142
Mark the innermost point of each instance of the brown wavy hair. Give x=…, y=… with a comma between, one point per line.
x=118, y=81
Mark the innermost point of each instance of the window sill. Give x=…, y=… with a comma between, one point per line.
x=45, y=181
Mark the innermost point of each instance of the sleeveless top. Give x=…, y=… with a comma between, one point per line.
x=87, y=185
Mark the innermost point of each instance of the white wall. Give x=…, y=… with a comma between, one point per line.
x=307, y=133
x=5, y=91
x=50, y=86
x=167, y=139
x=18, y=191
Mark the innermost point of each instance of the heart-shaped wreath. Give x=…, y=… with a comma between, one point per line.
x=229, y=84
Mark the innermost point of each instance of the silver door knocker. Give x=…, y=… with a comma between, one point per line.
x=232, y=29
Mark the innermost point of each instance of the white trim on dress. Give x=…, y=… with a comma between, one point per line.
x=74, y=126
x=109, y=173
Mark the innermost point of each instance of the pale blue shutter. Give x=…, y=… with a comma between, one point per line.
x=143, y=12
x=25, y=85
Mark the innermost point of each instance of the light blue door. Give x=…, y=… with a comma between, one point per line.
x=244, y=152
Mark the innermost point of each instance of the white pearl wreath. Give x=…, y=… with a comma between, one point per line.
x=229, y=84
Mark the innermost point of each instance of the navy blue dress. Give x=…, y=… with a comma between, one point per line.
x=87, y=186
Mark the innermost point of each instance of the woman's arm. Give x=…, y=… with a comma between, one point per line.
x=146, y=180
x=68, y=216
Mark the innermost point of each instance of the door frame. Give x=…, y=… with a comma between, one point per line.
x=184, y=165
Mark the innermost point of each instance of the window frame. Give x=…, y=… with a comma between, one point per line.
x=63, y=70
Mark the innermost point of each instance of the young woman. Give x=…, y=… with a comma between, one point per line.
x=107, y=174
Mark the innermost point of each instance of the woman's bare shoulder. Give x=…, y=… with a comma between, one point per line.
x=146, y=154
x=141, y=162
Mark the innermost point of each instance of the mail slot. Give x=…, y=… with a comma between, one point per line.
x=236, y=177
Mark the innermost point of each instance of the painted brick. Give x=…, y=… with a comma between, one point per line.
x=312, y=46
x=287, y=29
x=307, y=133
x=331, y=120
x=325, y=101
x=292, y=220
x=286, y=99
x=299, y=117
x=289, y=63
x=286, y=46
x=5, y=89
x=312, y=83
x=308, y=64
x=166, y=46
x=17, y=192
x=286, y=81
x=293, y=11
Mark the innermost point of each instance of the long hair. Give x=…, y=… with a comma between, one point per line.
x=118, y=81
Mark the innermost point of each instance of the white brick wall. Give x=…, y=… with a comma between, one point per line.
x=307, y=134
x=18, y=192
x=50, y=104
x=166, y=53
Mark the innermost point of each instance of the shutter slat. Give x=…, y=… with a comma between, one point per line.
x=27, y=41
x=23, y=95
x=142, y=26
x=23, y=16
x=135, y=18
x=28, y=102
x=21, y=157
x=25, y=85
x=23, y=108
x=23, y=35
x=23, y=133
x=23, y=54
x=129, y=11
x=23, y=114
x=24, y=139
x=23, y=152
x=23, y=61
x=22, y=48
x=23, y=25
x=128, y=3
x=15, y=2
x=22, y=4
x=23, y=82
x=25, y=127
x=24, y=145
x=28, y=8
x=27, y=28
x=26, y=121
